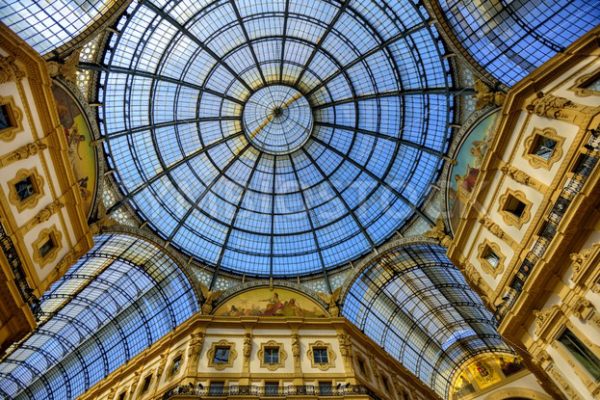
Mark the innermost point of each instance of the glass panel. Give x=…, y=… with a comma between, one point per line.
x=320, y=355
x=581, y=353
x=221, y=355
x=271, y=355
x=25, y=188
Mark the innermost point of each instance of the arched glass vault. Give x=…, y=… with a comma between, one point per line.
x=116, y=301
x=415, y=303
x=275, y=138
x=511, y=38
x=46, y=25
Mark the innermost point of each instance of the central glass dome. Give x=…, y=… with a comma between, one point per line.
x=277, y=119
x=275, y=137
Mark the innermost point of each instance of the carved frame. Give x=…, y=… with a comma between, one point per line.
x=330, y=355
x=282, y=355
x=508, y=217
x=211, y=355
x=15, y=115
x=38, y=185
x=487, y=267
x=537, y=161
x=579, y=88
x=44, y=235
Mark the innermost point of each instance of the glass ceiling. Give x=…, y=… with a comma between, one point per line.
x=279, y=137
x=511, y=38
x=46, y=25
x=116, y=301
x=416, y=304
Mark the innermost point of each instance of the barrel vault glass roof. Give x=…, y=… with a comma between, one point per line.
x=511, y=38
x=116, y=301
x=416, y=304
x=46, y=25
x=367, y=87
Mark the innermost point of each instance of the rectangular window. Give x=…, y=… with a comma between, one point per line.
x=271, y=388
x=386, y=384
x=325, y=388
x=320, y=355
x=122, y=396
x=543, y=147
x=581, y=353
x=221, y=355
x=216, y=388
x=176, y=365
x=271, y=355
x=361, y=366
x=146, y=385
x=47, y=246
x=25, y=188
x=491, y=257
x=514, y=206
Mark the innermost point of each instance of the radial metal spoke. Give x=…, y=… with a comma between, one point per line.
x=164, y=172
x=201, y=44
x=366, y=55
x=383, y=183
x=247, y=37
x=163, y=78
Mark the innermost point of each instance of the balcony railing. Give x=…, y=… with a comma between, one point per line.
x=581, y=172
x=198, y=391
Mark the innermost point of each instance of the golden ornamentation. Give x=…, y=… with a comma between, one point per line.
x=562, y=382
x=497, y=231
x=196, y=343
x=47, y=234
x=508, y=217
x=211, y=355
x=486, y=96
x=578, y=260
x=485, y=264
x=345, y=344
x=536, y=161
x=560, y=108
x=584, y=80
x=24, y=152
x=542, y=318
x=330, y=355
x=282, y=355
x=296, y=346
x=209, y=298
x=9, y=71
x=38, y=189
x=332, y=301
x=67, y=68
x=584, y=309
x=15, y=117
x=438, y=232
x=247, y=350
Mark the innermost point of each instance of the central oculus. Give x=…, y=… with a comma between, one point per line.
x=277, y=119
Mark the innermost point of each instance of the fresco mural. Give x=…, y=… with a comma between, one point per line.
x=265, y=302
x=486, y=373
x=81, y=150
x=463, y=175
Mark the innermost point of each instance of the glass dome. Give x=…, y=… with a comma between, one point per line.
x=279, y=137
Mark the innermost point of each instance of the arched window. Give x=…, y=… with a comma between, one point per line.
x=416, y=304
x=116, y=301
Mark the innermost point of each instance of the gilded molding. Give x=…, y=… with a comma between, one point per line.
x=561, y=108
x=438, y=232
x=562, y=382
x=38, y=186
x=586, y=79
x=487, y=267
x=15, y=116
x=44, y=214
x=508, y=217
x=23, y=152
x=211, y=355
x=282, y=355
x=330, y=355
x=536, y=161
x=543, y=318
x=44, y=235
x=332, y=301
x=497, y=231
x=9, y=70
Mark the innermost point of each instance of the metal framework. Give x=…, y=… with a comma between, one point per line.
x=118, y=300
x=48, y=25
x=415, y=303
x=173, y=86
x=511, y=38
